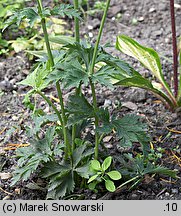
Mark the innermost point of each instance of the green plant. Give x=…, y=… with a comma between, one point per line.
x=150, y=59
x=101, y=173
x=63, y=155
x=134, y=169
x=28, y=38
x=6, y=8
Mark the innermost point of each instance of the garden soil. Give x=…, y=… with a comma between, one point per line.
x=149, y=23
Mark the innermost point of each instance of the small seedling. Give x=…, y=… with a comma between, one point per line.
x=102, y=174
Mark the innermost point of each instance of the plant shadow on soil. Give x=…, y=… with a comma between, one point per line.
x=146, y=21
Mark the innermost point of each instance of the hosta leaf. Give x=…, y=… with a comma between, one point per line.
x=106, y=163
x=62, y=40
x=79, y=109
x=147, y=56
x=114, y=175
x=135, y=81
x=29, y=13
x=110, y=185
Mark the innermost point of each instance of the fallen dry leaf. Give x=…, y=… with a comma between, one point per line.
x=5, y=175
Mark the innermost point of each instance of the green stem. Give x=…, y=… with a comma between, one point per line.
x=64, y=120
x=99, y=37
x=130, y=180
x=96, y=151
x=51, y=105
x=50, y=56
x=77, y=38
x=76, y=21
x=43, y=23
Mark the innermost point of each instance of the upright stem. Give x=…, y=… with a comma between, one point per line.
x=174, y=42
x=76, y=21
x=96, y=152
x=51, y=105
x=50, y=56
x=77, y=39
x=99, y=37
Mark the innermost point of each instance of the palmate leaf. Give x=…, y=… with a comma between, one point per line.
x=24, y=172
x=30, y=14
x=146, y=56
x=60, y=184
x=103, y=76
x=42, y=120
x=39, y=152
x=36, y=79
x=71, y=74
x=79, y=109
x=124, y=69
x=81, y=50
x=83, y=171
x=61, y=176
x=129, y=129
x=160, y=170
x=44, y=145
x=65, y=10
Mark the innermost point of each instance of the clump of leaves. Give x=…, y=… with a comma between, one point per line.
x=150, y=59
x=6, y=8
x=62, y=175
x=78, y=63
x=101, y=173
x=134, y=169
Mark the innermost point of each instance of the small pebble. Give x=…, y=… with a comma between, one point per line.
x=175, y=191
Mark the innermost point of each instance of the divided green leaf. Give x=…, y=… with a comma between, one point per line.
x=30, y=14
x=79, y=109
